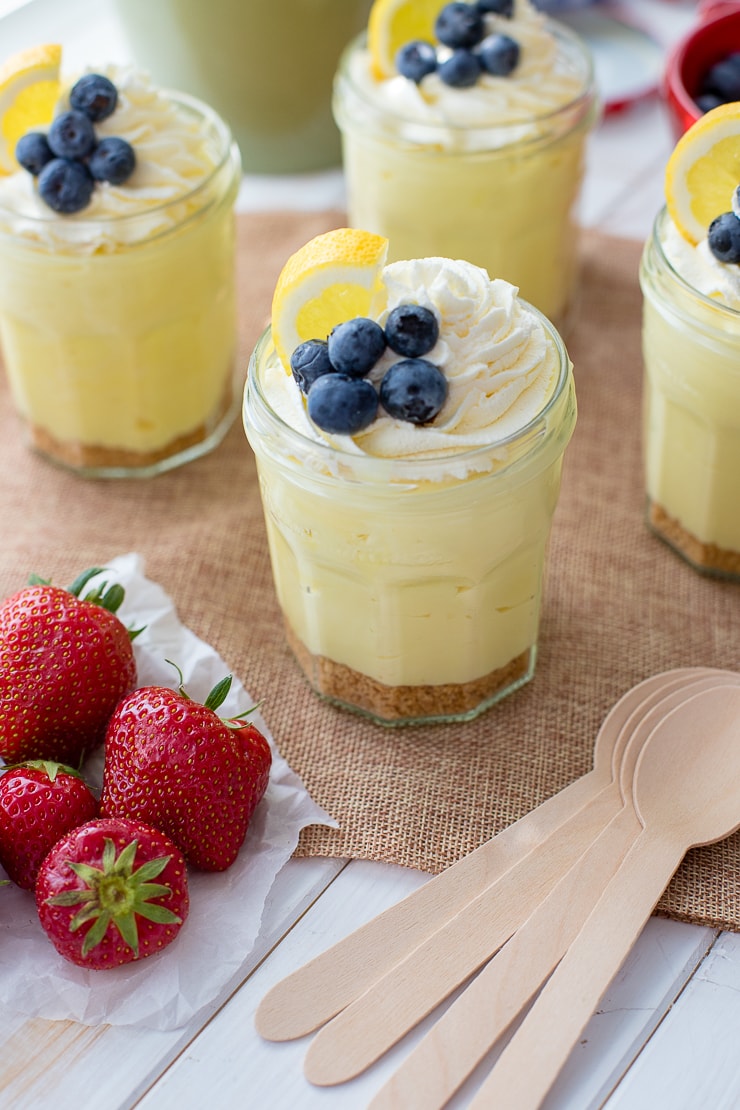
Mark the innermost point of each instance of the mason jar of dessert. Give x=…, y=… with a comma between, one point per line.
x=690, y=278
x=484, y=163
x=409, y=469
x=117, y=279
x=691, y=397
x=265, y=67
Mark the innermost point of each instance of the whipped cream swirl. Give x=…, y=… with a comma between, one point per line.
x=500, y=363
x=701, y=269
x=175, y=153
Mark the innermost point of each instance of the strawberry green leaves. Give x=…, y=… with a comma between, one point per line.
x=97, y=895
x=116, y=894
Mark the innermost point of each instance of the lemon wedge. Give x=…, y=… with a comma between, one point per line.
x=29, y=89
x=333, y=278
x=393, y=23
x=703, y=171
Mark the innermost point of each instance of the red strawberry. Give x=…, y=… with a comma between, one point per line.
x=39, y=803
x=96, y=897
x=64, y=664
x=174, y=763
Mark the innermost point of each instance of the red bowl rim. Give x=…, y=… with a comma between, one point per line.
x=674, y=84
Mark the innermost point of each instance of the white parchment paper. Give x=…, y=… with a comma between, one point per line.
x=166, y=990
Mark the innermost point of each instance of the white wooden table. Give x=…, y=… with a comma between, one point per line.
x=668, y=1031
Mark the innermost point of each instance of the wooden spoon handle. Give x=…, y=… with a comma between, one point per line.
x=321, y=988
x=457, y=1043
x=371, y=1024
x=532, y=1060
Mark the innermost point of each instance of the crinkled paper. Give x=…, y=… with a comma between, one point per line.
x=166, y=990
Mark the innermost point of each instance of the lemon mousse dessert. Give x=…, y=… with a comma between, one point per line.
x=408, y=422
x=464, y=128
x=690, y=277
x=117, y=251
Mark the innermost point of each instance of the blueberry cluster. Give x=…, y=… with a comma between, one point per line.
x=333, y=372
x=720, y=84
x=461, y=27
x=723, y=236
x=68, y=160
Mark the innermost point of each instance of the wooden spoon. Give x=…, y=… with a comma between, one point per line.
x=457, y=1043
x=321, y=988
x=376, y=1020
x=686, y=793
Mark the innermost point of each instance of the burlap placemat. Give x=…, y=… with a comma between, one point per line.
x=619, y=605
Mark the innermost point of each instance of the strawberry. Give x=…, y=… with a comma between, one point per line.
x=65, y=661
x=176, y=764
x=39, y=803
x=96, y=897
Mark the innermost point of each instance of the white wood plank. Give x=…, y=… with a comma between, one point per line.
x=229, y=1063
x=42, y=1062
x=691, y=1062
x=234, y=1065
x=627, y=154
x=653, y=976
x=660, y=963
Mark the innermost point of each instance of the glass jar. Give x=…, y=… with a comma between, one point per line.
x=119, y=334
x=501, y=196
x=266, y=67
x=410, y=589
x=691, y=429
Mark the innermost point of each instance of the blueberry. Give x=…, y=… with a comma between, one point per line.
x=724, y=237
x=355, y=346
x=723, y=79
x=411, y=330
x=736, y=201
x=112, y=160
x=413, y=390
x=706, y=101
x=496, y=7
x=309, y=361
x=71, y=135
x=66, y=186
x=461, y=70
x=416, y=59
x=33, y=152
x=95, y=96
x=459, y=24
x=342, y=405
x=499, y=55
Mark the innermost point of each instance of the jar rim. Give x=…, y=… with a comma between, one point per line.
x=567, y=40
x=718, y=306
x=411, y=469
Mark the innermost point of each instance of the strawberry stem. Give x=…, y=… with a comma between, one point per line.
x=216, y=697
x=180, y=688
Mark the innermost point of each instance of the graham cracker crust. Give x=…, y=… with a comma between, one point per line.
x=397, y=704
x=704, y=556
x=90, y=456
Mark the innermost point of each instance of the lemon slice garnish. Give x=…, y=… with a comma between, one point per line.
x=333, y=278
x=704, y=171
x=393, y=23
x=29, y=89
